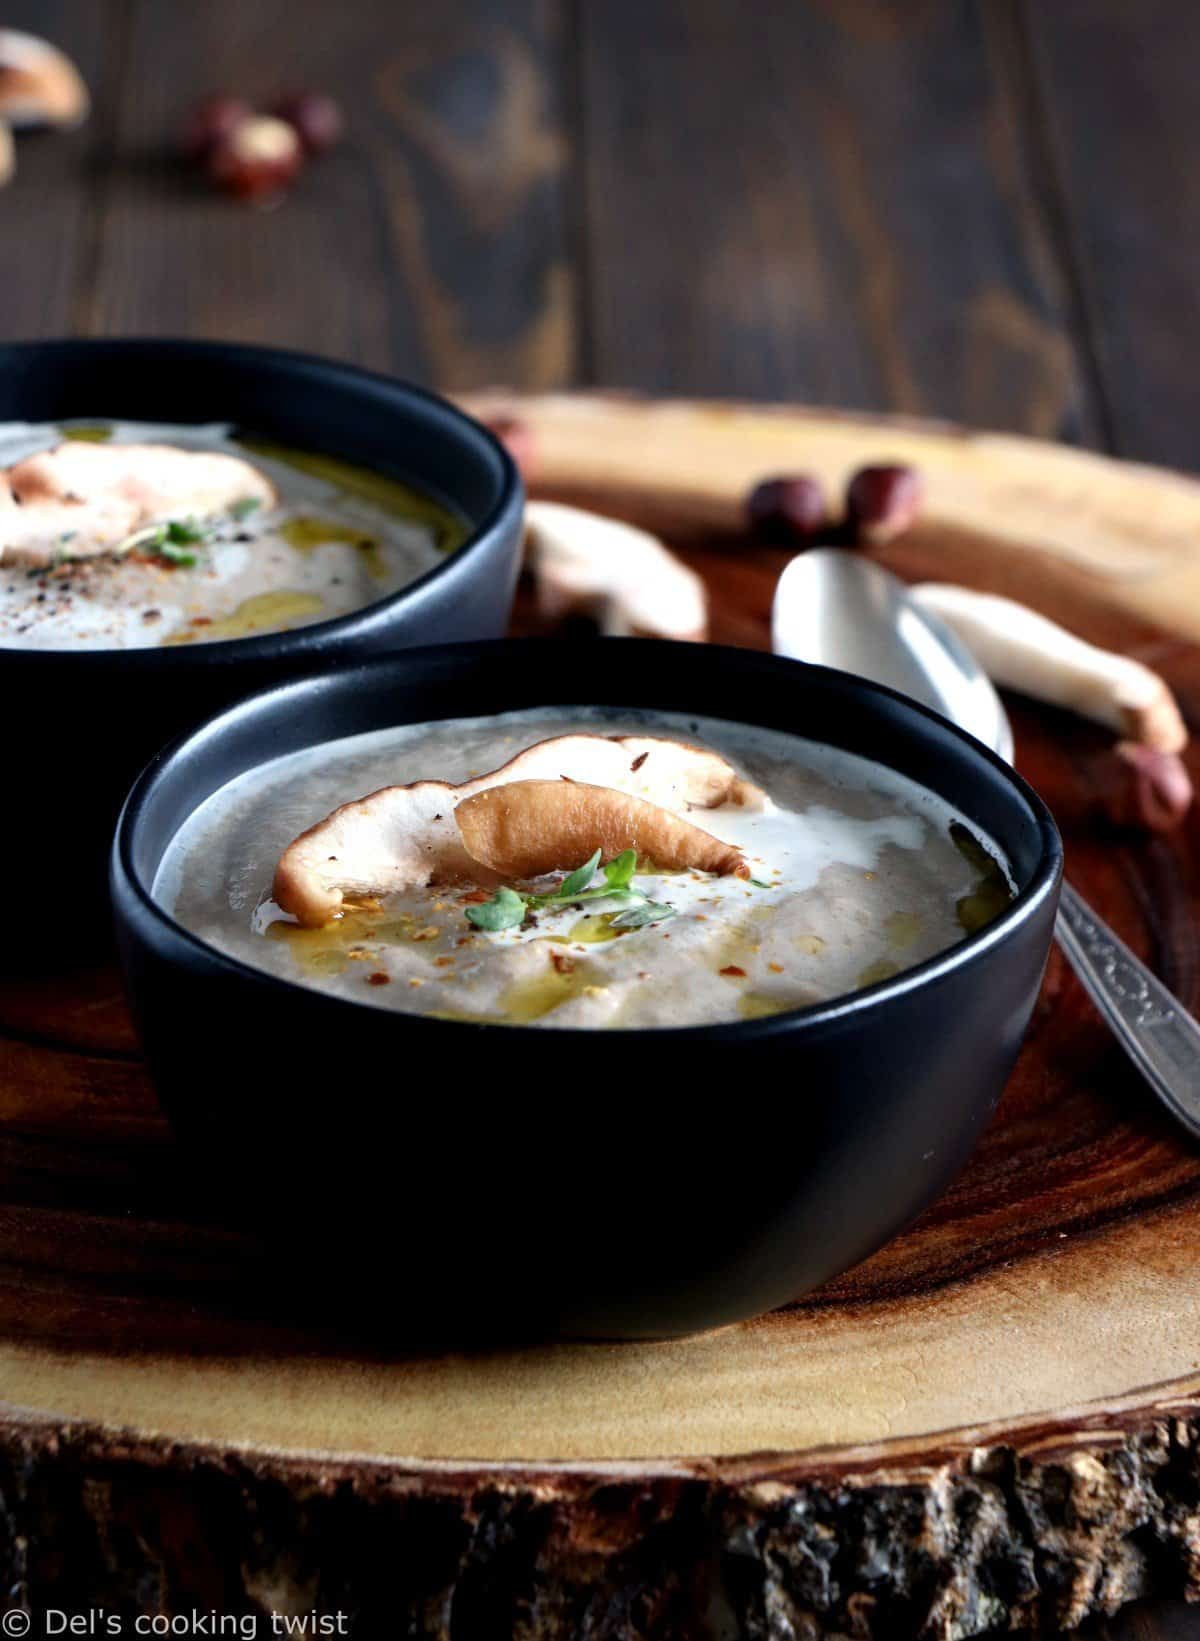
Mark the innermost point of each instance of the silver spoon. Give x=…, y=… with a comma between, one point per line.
x=843, y=611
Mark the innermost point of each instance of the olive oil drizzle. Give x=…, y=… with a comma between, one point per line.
x=265, y=612
x=390, y=495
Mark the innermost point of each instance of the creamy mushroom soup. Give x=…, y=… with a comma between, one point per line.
x=831, y=873
x=109, y=540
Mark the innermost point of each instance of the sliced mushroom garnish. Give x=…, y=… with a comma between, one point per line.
x=1026, y=651
x=80, y=499
x=624, y=578
x=39, y=85
x=526, y=828
x=406, y=836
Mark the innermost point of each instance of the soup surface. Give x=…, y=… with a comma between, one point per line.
x=856, y=874
x=336, y=537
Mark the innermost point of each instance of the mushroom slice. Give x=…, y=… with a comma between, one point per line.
x=39, y=85
x=625, y=578
x=405, y=836
x=525, y=828
x=400, y=837
x=80, y=500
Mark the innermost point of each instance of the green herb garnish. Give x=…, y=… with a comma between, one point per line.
x=176, y=555
x=759, y=884
x=619, y=872
x=575, y=882
x=183, y=532
x=243, y=509
x=169, y=541
x=637, y=917
x=508, y=907
x=505, y=910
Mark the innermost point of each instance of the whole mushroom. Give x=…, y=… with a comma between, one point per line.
x=39, y=84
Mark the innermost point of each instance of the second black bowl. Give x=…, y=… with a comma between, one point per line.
x=611, y=1183
x=79, y=725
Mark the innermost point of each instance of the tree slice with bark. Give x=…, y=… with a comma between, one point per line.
x=993, y=1423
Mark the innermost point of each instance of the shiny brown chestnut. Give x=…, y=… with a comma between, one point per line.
x=788, y=511
x=882, y=502
x=314, y=116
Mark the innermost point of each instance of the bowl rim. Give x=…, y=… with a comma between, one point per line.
x=354, y=624
x=158, y=925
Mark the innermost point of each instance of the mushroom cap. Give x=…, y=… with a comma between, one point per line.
x=39, y=84
x=625, y=577
x=79, y=500
x=406, y=836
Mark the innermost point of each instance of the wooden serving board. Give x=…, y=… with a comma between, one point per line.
x=993, y=1422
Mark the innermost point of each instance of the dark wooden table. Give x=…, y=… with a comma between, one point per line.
x=988, y=211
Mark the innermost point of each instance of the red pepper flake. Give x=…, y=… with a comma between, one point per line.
x=443, y=962
x=734, y=972
x=775, y=968
x=200, y=621
x=379, y=978
x=562, y=963
x=475, y=898
x=639, y=761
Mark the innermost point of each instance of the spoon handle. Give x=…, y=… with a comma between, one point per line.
x=1155, y=1030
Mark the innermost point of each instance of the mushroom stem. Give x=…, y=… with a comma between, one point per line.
x=1026, y=651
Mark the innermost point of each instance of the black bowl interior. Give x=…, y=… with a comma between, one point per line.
x=508, y=675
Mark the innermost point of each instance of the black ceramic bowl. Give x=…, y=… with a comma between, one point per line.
x=609, y=1183
x=79, y=726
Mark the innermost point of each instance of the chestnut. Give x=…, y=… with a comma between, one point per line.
x=1137, y=788
x=210, y=122
x=788, y=511
x=882, y=502
x=314, y=117
x=257, y=160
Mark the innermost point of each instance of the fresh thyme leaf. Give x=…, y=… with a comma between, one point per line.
x=759, y=884
x=505, y=910
x=603, y=893
x=183, y=532
x=243, y=509
x=577, y=880
x=619, y=872
x=176, y=555
x=637, y=917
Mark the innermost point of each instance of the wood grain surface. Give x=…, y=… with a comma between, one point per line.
x=980, y=209
x=1027, y=1356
